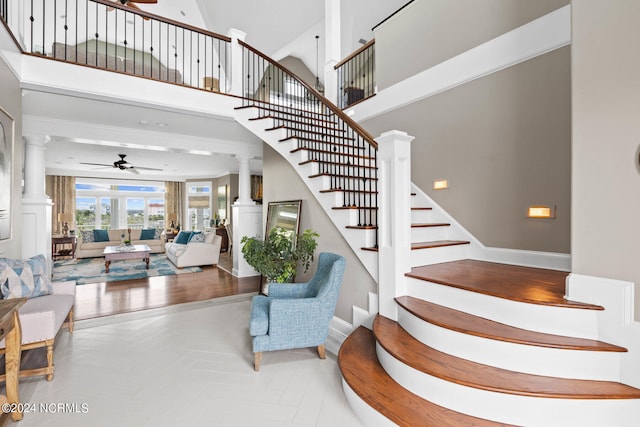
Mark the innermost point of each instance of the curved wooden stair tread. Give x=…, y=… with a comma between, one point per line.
x=361, y=370
x=296, y=119
x=268, y=106
x=512, y=282
x=316, y=150
x=428, y=245
x=437, y=244
x=429, y=224
x=339, y=164
x=478, y=326
x=401, y=345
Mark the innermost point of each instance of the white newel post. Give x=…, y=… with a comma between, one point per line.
x=36, y=205
x=235, y=84
x=394, y=218
x=332, y=31
x=247, y=219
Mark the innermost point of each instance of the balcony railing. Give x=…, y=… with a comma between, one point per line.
x=356, y=76
x=346, y=153
x=107, y=35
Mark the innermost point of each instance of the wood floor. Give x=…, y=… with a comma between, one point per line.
x=104, y=299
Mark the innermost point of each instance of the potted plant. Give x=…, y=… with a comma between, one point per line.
x=277, y=257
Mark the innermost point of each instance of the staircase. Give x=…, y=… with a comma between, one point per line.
x=475, y=343
x=480, y=343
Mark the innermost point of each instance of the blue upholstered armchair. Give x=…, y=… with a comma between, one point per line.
x=297, y=315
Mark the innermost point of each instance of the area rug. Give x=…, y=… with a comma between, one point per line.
x=91, y=270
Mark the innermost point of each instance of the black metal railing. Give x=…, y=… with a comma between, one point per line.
x=108, y=35
x=343, y=150
x=357, y=76
x=4, y=10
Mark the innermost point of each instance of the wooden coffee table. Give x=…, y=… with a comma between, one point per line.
x=116, y=253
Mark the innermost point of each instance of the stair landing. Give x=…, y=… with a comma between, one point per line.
x=516, y=283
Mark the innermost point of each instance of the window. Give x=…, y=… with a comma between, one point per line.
x=119, y=204
x=199, y=205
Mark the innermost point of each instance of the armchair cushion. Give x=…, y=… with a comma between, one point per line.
x=259, y=322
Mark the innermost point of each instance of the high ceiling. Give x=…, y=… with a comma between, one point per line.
x=186, y=145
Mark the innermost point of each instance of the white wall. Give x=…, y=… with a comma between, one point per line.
x=606, y=139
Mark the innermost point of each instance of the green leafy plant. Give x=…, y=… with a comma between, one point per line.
x=277, y=257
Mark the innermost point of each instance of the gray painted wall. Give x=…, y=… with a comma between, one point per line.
x=281, y=182
x=504, y=143
x=606, y=139
x=430, y=31
x=11, y=103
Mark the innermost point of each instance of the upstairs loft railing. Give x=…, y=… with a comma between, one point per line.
x=343, y=150
x=356, y=76
x=107, y=35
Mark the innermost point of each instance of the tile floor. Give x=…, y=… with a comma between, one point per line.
x=185, y=365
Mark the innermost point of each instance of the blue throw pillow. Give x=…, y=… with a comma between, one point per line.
x=100, y=235
x=183, y=237
x=194, y=234
x=148, y=234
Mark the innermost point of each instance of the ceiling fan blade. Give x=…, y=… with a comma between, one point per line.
x=147, y=169
x=96, y=164
x=132, y=170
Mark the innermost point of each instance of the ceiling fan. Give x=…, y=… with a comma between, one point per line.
x=132, y=3
x=122, y=164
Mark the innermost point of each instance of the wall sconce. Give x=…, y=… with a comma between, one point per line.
x=442, y=184
x=546, y=212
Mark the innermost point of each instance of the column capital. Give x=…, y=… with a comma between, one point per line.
x=36, y=140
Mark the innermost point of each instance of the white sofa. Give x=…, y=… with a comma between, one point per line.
x=89, y=249
x=41, y=319
x=195, y=253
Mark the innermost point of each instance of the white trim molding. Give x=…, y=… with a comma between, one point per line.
x=545, y=34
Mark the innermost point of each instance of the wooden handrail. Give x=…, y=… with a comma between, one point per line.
x=338, y=112
x=162, y=19
x=354, y=54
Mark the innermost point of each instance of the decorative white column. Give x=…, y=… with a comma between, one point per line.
x=237, y=76
x=247, y=219
x=36, y=205
x=244, y=182
x=333, y=54
x=394, y=218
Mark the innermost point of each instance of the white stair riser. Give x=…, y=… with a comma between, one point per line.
x=422, y=216
x=437, y=255
x=428, y=234
x=553, y=320
x=364, y=412
x=589, y=365
x=510, y=408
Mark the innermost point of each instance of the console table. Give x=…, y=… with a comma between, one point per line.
x=11, y=332
x=57, y=244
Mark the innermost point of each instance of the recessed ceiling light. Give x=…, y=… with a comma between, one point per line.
x=143, y=122
x=162, y=125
